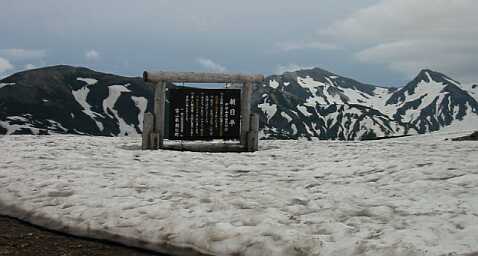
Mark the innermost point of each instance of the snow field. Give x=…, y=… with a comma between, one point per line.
x=409, y=196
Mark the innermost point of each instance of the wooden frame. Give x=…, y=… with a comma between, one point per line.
x=154, y=129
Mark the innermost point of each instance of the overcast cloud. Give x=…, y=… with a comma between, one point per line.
x=5, y=66
x=375, y=41
x=407, y=35
x=92, y=55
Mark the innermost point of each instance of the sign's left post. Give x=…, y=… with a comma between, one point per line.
x=157, y=135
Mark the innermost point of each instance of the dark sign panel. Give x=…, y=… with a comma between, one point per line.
x=204, y=114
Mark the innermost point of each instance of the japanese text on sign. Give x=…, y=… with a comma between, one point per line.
x=204, y=114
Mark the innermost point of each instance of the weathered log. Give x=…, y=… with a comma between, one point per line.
x=245, y=111
x=253, y=134
x=193, y=77
x=210, y=147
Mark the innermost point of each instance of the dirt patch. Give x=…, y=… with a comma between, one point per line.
x=22, y=239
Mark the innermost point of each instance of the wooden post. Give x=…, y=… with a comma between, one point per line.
x=148, y=126
x=253, y=134
x=245, y=111
x=159, y=111
x=154, y=140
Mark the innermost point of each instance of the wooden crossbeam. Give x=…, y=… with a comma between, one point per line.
x=193, y=77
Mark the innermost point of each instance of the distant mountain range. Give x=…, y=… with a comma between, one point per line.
x=318, y=103
x=306, y=103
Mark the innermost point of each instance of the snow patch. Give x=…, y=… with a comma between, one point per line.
x=304, y=111
x=12, y=128
x=472, y=90
x=468, y=123
x=331, y=94
x=268, y=109
x=55, y=125
x=80, y=96
x=89, y=81
x=115, y=92
x=274, y=84
x=6, y=84
x=294, y=129
x=286, y=116
x=141, y=103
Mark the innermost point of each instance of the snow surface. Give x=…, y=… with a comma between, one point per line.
x=409, y=196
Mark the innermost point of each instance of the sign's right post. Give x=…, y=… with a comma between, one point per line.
x=253, y=134
x=245, y=112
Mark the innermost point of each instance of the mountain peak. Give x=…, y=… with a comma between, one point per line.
x=315, y=71
x=429, y=75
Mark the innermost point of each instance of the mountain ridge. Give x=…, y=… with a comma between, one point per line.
x=305, y=103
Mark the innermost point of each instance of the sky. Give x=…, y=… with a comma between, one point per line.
x=383, y=42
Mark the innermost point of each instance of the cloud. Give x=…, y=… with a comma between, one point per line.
x=293, y=46
x=407, y=35
x=457, y=58
x=30, y=66
x=5, y=65
x=290, y=68
x=211, y=65
x=92, y=55
x=17, y=54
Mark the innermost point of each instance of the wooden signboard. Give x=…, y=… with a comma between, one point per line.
x=204, y=114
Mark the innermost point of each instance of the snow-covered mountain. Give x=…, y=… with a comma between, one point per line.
x=317, y=103
x=305, y=103
x=433, y=101
x=64, y=99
